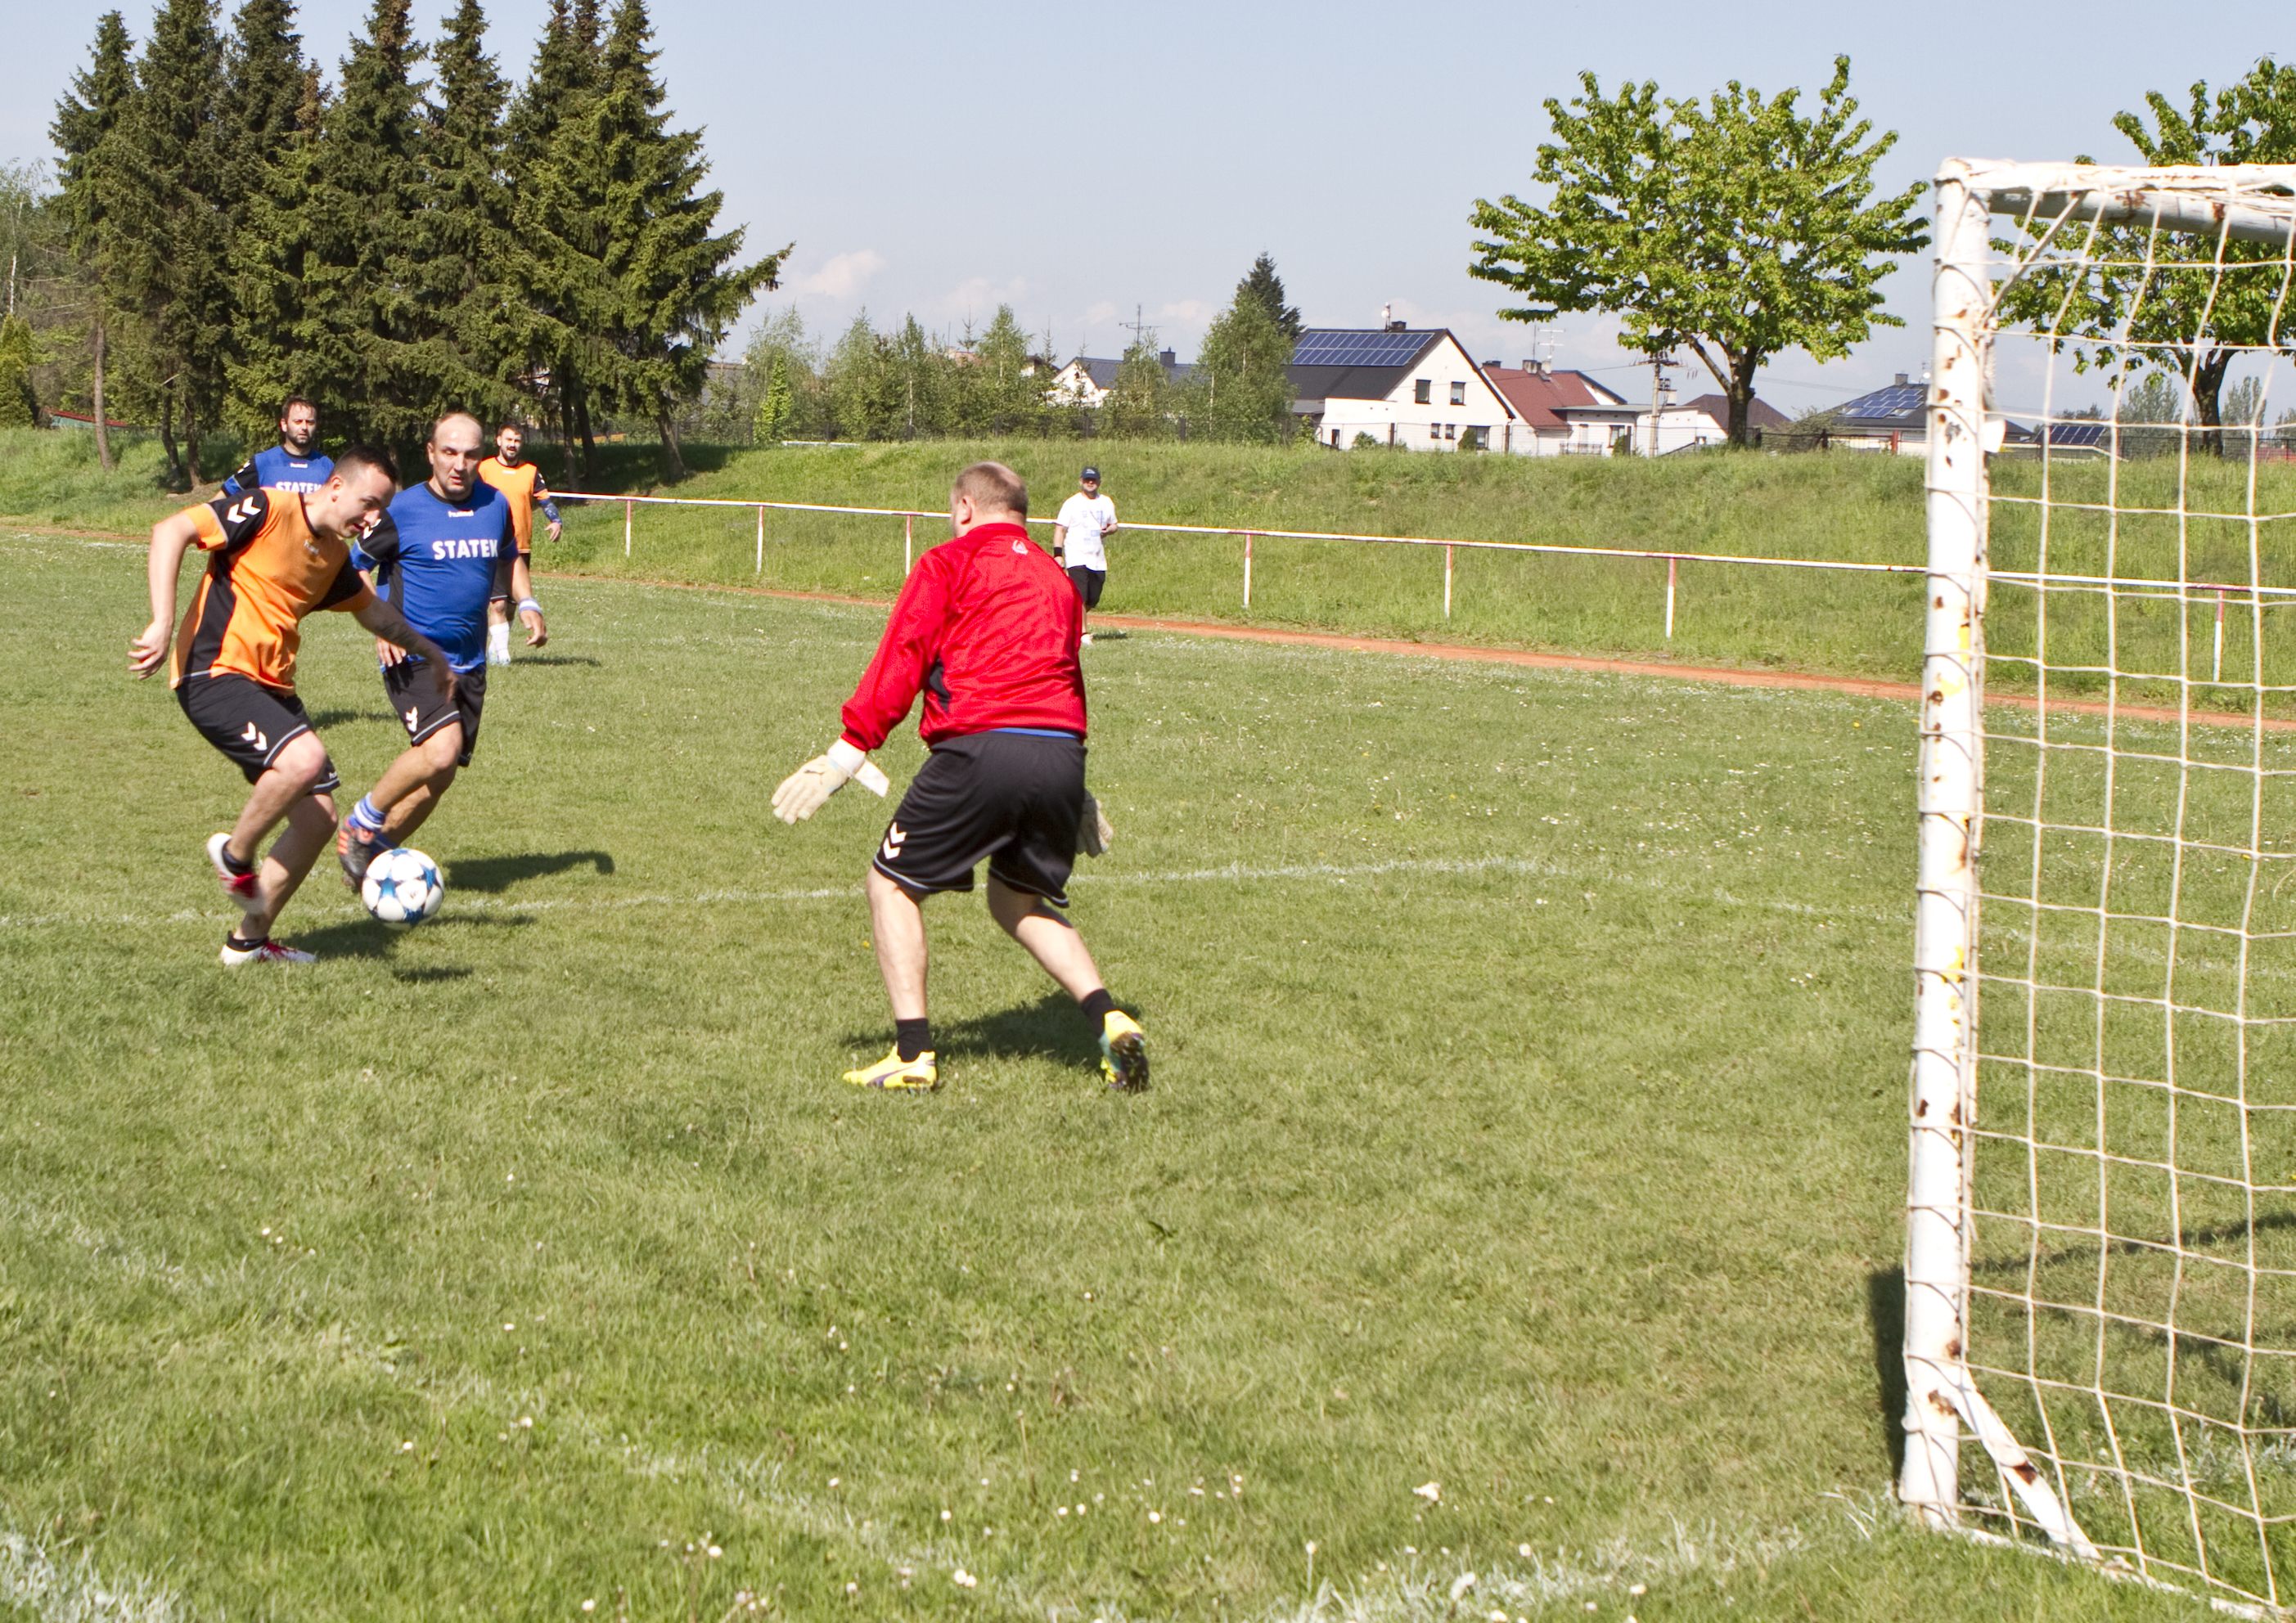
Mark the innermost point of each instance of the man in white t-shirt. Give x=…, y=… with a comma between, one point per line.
x=1079, y=539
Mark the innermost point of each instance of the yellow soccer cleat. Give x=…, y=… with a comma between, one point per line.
x=920, y=1074
x=1123, y=1053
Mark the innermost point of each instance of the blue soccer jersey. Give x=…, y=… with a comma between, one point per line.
x=280, y=468
x=441, y=562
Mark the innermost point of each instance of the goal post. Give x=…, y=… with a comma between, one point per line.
x=2100, y=1262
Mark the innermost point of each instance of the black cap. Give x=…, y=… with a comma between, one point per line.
x=1090, y=473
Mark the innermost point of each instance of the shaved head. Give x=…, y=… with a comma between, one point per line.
x=992, y=489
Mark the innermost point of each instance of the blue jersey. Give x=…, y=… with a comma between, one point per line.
x=441, y=563
x=280, y=468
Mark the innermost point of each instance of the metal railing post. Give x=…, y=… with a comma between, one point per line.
x=1448, y=550
x=629, y=524
x=909, y=542
x=1670, y=563
x=1247, y=568
x=2216, y=667
x=761, y=538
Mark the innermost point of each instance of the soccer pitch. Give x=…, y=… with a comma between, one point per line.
x=1519, y=1195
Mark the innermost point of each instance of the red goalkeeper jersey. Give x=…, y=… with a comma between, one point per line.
x=987, y=629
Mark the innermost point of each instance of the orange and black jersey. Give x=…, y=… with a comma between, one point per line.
x=522, y=485
x=266, y=571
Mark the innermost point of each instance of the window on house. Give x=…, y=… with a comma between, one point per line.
x=1424, y=391
x=1450, y=430
x=1458, y=394
x=1434, y=431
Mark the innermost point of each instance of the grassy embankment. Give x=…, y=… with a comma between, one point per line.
x=1839, y=508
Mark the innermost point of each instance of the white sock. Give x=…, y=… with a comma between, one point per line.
x=498, y=645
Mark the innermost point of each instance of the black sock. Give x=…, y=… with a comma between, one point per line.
x=234, y=863
x=243, y=944
x=913, y=1037
x=1098, y=1006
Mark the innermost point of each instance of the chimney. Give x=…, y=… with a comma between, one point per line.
x=1901, y=380
x=1490, y=365
x=1399, y=326
x=1168, y=357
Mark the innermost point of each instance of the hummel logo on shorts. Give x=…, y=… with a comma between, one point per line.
x=413, y=715
x=260, y=740
x=895, y=837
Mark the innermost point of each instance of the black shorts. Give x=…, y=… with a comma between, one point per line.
x=248, y=722
x=1014, y=798
x=421, y=699
x=1088, y=583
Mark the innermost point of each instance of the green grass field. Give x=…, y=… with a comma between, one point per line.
x=1528, y=1122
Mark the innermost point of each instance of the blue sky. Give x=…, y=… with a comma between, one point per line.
x=1078, y=161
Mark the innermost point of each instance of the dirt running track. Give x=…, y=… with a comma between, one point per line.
x=1904, y=693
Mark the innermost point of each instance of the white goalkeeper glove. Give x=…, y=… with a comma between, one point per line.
x=807, y=791
x=1093, y=829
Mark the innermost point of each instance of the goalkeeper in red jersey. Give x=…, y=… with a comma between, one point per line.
x=986, y=628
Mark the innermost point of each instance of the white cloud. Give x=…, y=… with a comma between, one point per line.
x=1185, y=310
x=843, y=276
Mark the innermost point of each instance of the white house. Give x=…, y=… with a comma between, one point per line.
x=1568, y=414
x=1089, y=379
x=1401, y=387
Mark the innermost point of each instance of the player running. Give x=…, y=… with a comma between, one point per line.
x=445, y=554
x=294, y=463
x=273, y=557
x=986, y=629
x=521, y=483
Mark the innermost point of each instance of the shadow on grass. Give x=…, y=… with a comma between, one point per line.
x=1885, y=1312
x=1051, y=1028
x=362, y=938
x=492, y=875
x=553, y=659
x=323, y=719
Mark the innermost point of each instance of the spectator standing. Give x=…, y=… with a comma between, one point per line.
x=1081, y=540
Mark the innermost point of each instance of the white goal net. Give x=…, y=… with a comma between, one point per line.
x=2101, y=1253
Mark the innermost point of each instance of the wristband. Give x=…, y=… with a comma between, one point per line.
x=854, y=761
x=524, y=604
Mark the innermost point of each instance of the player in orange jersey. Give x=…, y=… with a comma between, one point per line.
x=273, y=556
x=520, y=483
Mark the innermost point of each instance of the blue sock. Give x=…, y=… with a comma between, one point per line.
x=365, y=818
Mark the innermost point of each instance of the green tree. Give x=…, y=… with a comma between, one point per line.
x=169, y=232
x=274, y=105
x=19, y=408
x=780, y=345
x=1139, y=404
x=2156, y=399
x=1737, y=226
x=2141, y=299
x=857, y=379
x=667, y=285
x=556, y=235
x=1011, y=389
x=470, y=332
x=1265, y=285
x=1239, y=389
x=363, y=212
x=923, y=383
x=777, y=406
x=86, y=133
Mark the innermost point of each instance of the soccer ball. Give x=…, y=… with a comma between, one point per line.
x=402, y=887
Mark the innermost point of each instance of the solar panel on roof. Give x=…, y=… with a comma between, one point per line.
x=2079, y=436
x=1892, y=401
x=1329, y=347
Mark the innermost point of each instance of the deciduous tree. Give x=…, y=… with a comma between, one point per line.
x=1738, y=226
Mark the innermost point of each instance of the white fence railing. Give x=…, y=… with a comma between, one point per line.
x=1450, y=545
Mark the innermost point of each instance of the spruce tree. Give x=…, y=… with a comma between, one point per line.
x=271, y=119
x=170, y=233
x=86, y=122
x=19, y=408
x=555, y=239
x=359, y=330
x=1264, y=284
x=470, y=330
x=667, y=287
x=1014, y=393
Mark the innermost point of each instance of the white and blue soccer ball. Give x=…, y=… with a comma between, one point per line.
x=403, y=887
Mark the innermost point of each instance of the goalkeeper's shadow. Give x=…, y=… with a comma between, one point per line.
x=1049, y=1028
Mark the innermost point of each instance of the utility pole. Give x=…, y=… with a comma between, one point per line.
x=1659, y=364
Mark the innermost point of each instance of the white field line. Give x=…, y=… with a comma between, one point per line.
x=72, y=1591
x=1311, y=872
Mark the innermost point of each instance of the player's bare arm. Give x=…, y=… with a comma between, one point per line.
x=384, y=619
x=530, y=611
x=171, y=538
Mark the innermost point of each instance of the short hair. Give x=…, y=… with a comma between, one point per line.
x=518, y=428
x=994, y=488
x=444, y=418
x=352, y=457
x=292, y=401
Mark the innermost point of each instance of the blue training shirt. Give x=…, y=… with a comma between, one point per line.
x=441, y=563
x=280, y=468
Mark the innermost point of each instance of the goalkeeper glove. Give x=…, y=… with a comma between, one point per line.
x=806, y=790
x=1093, y=829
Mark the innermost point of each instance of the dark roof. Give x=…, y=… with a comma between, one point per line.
x=1102, y=371
x=1893, y=405
x=1542, y=397
x=1357, y=363
x=1759, y=413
